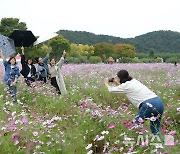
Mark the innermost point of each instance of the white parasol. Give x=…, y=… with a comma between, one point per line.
x=44, y=38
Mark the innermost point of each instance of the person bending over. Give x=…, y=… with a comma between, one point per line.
x=149, y=104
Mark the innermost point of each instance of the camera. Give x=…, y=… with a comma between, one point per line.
x=111, y=79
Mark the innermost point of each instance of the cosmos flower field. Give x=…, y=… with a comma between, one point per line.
x=88, y=119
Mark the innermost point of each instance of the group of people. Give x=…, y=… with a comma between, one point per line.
x=149, y=104
x=41, y=72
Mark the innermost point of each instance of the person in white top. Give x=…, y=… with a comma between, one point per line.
x=56, y=75
x=149, y=104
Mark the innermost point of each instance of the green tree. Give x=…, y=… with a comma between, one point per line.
x=7, y=25
x=58, y=45
x=151, y=53
x=95, y=59
x=35, y=51
x=125, y=50
x=103, y=50
x=80, y=50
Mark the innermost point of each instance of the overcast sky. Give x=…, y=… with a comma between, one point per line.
x=122, y=18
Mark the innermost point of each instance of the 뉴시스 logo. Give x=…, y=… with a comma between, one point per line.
x=152, y=140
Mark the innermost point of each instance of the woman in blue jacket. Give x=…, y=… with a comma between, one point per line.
x=42, y=67
x=11, y=75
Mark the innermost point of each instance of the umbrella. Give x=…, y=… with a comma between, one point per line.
x=7, y=46
x=23, y=38
x=44, y=38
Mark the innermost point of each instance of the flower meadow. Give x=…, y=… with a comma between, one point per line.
x=88, y=119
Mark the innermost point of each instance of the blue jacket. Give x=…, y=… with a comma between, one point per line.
x=42, y=70
x=10, y=73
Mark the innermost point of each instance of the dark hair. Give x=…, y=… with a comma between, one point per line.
x=37, y=59
x=123, y=75
x=11, y=59
x=50, y=61
x=29, y=58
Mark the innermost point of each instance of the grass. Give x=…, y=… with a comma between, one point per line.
x=43, y=122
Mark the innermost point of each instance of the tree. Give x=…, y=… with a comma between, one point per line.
x=151, y=53
x=35, y=51
x=7, y=25
x=125, y=50
x=81, y=50
x=104, y=50
x=58, y=45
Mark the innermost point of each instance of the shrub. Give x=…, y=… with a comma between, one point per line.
x=70, y=59
x=126, y=60
x=159, y=60
x=83, y=59
x=77, y=60
x=172, y=60
x=95, y=59
x=136, y=60
x=145, y=60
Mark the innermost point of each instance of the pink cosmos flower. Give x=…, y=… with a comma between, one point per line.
x=112, y=126
x=15, y=138
x=141, y=120
x=30, y=145
x=25, y=120
x=168, y=122
x=163, y=130
x=172, y=132
x=12, y=127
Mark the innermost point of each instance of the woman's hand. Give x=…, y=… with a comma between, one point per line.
x=2, y=56
x=22, y=49
x=49, y=50
x=64, y=53
x=106, y=82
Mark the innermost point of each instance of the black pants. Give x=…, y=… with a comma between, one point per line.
x=54, y=84
x=43, y=79
x=29, y=80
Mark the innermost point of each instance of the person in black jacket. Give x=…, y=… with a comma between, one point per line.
x=28, y=69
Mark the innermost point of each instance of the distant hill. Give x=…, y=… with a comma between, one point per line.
x=158, y=41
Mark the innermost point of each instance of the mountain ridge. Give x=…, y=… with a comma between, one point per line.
x=157, y=41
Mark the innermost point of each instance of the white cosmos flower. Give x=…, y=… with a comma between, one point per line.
x=89, y=146
x=90, y=152
x=153, y=118
x=100, y=138
x=104, y=132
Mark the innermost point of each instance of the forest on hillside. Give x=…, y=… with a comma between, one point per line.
x=157, y=41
